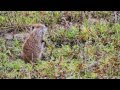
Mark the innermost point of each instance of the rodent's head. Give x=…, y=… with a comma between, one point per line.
x=41, y=27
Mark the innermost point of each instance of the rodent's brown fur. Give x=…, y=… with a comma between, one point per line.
x=33, y=46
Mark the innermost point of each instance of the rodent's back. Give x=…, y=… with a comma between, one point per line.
x=32, y=45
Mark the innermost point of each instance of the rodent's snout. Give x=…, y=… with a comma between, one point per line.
x=45, y=28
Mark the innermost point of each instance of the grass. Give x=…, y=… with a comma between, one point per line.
x=82, y=51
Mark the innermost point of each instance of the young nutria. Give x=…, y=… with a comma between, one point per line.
x=33, y=46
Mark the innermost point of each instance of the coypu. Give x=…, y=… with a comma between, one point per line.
x=33, y=46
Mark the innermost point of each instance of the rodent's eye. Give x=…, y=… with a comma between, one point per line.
x=32, y=27
x=46, y=24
